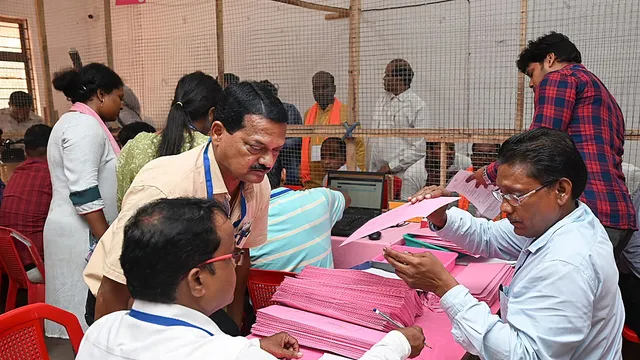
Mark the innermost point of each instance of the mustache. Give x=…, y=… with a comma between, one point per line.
x=259, y=167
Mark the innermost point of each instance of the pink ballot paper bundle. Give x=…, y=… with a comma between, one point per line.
x=351, y=295
x=317, y=331
x=483, y=280
x=425, y=235
x=399, y=215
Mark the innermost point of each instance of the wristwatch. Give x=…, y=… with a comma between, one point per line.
x=485, y=177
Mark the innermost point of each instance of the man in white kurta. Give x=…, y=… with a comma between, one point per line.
x=399, y=107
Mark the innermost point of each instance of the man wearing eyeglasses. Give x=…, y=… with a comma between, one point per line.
x=563, y=301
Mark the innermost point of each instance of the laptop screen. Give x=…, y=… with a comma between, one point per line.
x=364, y=189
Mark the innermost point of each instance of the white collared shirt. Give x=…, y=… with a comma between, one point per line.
x=120, y=336
x=563, y=302
x=406, y=110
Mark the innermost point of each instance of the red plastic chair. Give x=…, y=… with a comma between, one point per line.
x=630, y=335
x=22, y=331
x=262, y=284
x=18, y=277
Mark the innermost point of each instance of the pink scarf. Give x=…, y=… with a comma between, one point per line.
x=84, y=109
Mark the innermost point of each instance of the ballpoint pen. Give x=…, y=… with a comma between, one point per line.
x=395, y=323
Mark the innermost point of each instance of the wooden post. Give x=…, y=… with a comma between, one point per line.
x=49, y=111
x=108, y=35
x=220, y=41
x=521, y=79
x=355, y=10
x=443, y=163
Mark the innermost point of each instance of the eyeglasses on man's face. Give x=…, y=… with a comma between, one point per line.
x=235, y=256
x=516, y=200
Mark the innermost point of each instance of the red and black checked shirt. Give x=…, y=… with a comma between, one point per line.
x=575, y=101
x=25, y=204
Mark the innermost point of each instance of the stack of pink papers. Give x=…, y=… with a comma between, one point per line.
x=351, y=295
x=484, y=280
x=430, y=237
x=448, y=259
x=316, y=331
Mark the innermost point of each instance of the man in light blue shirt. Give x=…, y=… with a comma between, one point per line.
x=564, y=301
x=299, y=230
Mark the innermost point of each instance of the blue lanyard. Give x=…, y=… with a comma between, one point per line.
x=281, y=192
x=163, y=321
x=209, y=181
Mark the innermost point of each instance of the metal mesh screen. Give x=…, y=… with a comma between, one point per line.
x=465, y=87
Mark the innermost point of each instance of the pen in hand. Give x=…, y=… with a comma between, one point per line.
x=395, y=323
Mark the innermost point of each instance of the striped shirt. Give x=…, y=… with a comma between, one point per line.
x=299, y=231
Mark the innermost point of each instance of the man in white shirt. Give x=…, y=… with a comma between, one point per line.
x=19, y=116
x=563, y=301
x=399, y=107
x=426, y=171
x=196, y=277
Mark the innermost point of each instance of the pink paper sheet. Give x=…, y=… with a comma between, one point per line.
x=448, y=259
x=399, y=215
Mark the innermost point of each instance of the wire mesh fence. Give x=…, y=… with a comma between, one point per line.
x=424, y=80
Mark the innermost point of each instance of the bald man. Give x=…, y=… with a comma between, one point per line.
x=327, y=110
x=399, y=107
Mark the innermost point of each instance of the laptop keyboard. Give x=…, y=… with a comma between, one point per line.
x=349, y=219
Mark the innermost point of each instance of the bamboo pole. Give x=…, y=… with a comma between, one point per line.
x=335, y=16
x=220, y=41
x=355, y=10
x=312, y=6
x=108, y=34
x=49, y=113
x=521, y=79
x=443, y=163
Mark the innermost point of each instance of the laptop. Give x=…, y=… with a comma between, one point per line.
x=366, y=192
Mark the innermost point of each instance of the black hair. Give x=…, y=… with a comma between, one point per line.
x=402, y=69
x=342, y=145
x=275, y=174
x=230, y=79
x=548, y=155
x=195, y=95
x=325, y=73
x=163, y=241
x=21, y=99
x=37, y=137
x=80, y=85
x=271, y=86
x=248, y=98
x=496, y=146
x=130, y=131
x=556, y=43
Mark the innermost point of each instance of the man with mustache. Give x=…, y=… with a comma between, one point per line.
x=563, y=301
x=247, y=135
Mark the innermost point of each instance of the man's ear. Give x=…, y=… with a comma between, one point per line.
x=283, y=176
x=195, y=282
x=563, y=191
x=217, y=129
x=550, y=59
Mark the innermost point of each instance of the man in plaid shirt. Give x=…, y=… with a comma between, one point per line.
x=28, y=193
x=570, y=98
